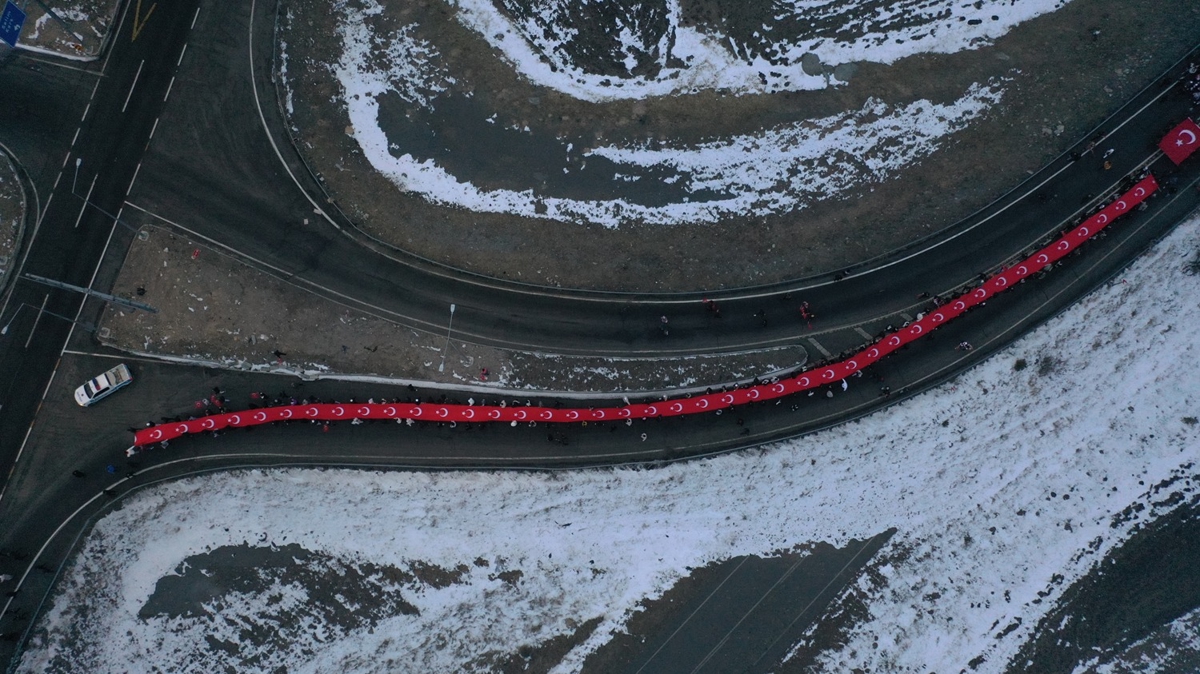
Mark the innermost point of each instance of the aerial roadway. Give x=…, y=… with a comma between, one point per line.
x=85, y=134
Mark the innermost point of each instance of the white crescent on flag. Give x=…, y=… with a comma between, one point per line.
x=1022, y=270
x=417, y=411
x=960, y=305
x=624, y=412
x=1191, y=137
x=547, y=415
x=1120, y=205
x=443, y=412
x=391, y=412
x=494, y=414
x=916, y=329
x=598, y=414
x=827, y=375
x=873, y=353
x=677, y=407
x=260, y=416
x=208, y=424
x=727, y=399
x=1084, y=231
x=938, y=317
x=651, y=410
x=339, y=411
x=235, y=420
x=752, y=394
x=894, y=340
x=155, y=434
x=1139, y=192
x=1043, y=258
x=702, y=403
x=1101, y=218
x=778, y=388
x=1001, y=281
x=852, y=365
x=311, y=412
x=285, y=414
x=803, y=381
x=572, y=415
x=521, y=415
x=1063, y=245
x=364, y=411
x=980, y=293
x=468, y=413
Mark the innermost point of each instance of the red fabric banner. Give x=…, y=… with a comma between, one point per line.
x=822, y=376
x=1181, y=142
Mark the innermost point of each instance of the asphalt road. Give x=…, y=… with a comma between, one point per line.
x=211, y=169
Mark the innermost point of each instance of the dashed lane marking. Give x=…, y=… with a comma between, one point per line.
x=818, y=347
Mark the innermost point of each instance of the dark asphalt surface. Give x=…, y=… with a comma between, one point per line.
x=211, y=169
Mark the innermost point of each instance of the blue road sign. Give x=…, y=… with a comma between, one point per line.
x=10, y=23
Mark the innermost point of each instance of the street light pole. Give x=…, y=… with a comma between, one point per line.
x=75, y=180
x=442, y=365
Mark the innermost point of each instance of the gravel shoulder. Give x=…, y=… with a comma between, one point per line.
x=1065, y=73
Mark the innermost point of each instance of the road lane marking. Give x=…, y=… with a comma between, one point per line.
x=134, y=179
x=76, y=137
x=83, y=208
x=818, y=347
x=135, y=80
x=139, y=21
x=184, y=49
x=169, y=85
x=152, y=130
x=37, y=320
x=194, y=17
x=862, y=333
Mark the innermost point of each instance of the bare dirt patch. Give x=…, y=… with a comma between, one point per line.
x=75, y=29
x=214, y=309
x=12, y=215
x=1066, y=72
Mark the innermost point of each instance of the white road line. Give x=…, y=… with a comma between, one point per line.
x=169, y=85
x=37, y=320
x=184, y=49
x=134, y=179
x=56, y=179
x=85, y=200
x=76, y=137
x=906, y=317
x=61, y=65
x=65, y=160
x=86, y=108
x=194, y=18
x=135, y=81
x=818, y=347
x=152, y=130
x=862, y=333
x=94, y=88
x=116, y=34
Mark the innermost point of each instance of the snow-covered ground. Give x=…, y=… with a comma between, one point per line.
x=995, y=482
x=769, y=59
x=759, y=172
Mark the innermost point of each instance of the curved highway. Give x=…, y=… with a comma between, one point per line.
x=167, y=128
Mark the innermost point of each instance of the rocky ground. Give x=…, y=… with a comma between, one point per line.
x=214, y=309
x=1063, y=73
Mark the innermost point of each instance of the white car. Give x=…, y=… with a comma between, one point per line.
x=102, y=386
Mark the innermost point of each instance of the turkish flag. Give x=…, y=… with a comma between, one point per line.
x=1181, y=142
